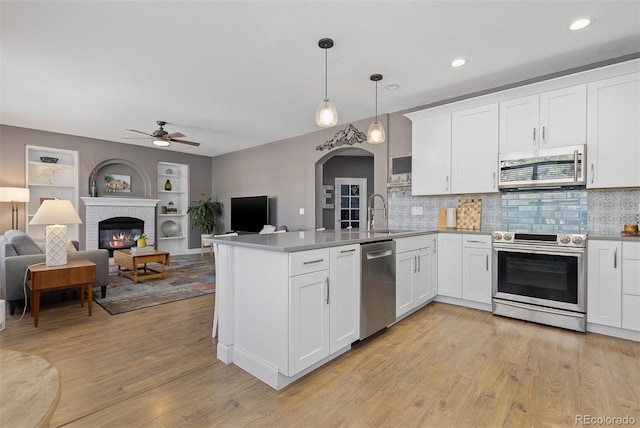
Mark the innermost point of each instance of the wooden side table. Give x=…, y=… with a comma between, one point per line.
x=76, y=273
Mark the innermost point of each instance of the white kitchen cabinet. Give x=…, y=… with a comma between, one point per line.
x=309, y=320
x=604, y=286
x=173, y=220
x=431, y=155
x=344, y=296
x=324, y=303
x=416, y=272
x=550, y=119
x=631, y=285
x=476, y=268
x=613, y=151
x=474, y=150
x=49, y=180
x=450, y=264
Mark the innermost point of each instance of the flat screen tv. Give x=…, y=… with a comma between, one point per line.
x=249, y=213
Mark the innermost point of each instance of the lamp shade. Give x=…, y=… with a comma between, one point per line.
x=56, y=211
x=14, y=194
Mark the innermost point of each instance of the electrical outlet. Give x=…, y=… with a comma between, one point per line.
x=301, y=211
x=416, y=210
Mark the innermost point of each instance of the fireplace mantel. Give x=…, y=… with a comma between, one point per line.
x=120, y=202
x=102, y=208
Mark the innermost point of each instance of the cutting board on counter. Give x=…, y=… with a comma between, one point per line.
x=469, y=213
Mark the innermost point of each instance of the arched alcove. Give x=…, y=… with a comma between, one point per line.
x=141, y=183
x=347, y=167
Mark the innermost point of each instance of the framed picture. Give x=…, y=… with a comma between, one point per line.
x=117, y=183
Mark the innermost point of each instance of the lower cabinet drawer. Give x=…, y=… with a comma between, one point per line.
x=308, y=261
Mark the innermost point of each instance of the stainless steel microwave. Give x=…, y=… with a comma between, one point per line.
x=545, y=168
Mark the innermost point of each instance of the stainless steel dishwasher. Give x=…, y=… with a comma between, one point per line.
x=378, y=287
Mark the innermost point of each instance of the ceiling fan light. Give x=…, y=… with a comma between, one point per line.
x=375, y=134
x=327, y=114
x=162, y=143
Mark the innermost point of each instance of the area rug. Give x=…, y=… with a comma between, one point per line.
x=186, y=277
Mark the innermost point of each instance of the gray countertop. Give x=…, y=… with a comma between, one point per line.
x=310, y=240
x=614, y=237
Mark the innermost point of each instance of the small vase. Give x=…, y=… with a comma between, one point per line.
x=167, y=185
x=93, y=190
x=142, y=242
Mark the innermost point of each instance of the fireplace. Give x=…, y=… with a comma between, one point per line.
x=117, y=233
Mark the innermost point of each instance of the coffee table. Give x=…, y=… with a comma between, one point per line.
x=76, y=273
x=129, y=264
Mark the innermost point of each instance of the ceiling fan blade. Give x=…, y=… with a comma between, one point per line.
x=136, y=138
x=139, y=132
x=175, y=135
x=191, y=143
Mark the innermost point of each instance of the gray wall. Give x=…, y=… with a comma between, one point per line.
x=287, y=170
x=90, y=153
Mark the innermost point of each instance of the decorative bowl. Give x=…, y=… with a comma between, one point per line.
x=47, y=159
x=169, y=171
x=169, y=228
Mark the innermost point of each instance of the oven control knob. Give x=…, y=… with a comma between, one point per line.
x=497, y=236
x=565, y=239
x=507, y=237
x=577, y=240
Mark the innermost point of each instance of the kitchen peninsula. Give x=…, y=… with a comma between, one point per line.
x=286, y=303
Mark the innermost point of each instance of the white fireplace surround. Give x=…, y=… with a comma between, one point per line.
x=99, y=209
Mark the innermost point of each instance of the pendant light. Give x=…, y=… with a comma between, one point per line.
x=375, y=134
x=326, y=115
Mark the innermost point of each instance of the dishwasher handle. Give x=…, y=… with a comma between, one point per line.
x=378, y=254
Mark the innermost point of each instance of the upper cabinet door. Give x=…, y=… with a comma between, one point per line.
x=563, y=117
x=519, y=120
x=431, y=155
x=613, y=144
x=474, y=150
x=551, y=119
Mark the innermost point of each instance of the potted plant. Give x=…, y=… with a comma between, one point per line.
x=141, y=240
x=204, y=214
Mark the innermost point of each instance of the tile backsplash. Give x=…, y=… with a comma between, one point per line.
x=545, y=211
x=594, y=212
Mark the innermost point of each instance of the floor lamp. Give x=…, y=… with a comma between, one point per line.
x=56, y=214
x=15, y=195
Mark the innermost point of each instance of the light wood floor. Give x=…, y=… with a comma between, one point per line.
x=443, y=366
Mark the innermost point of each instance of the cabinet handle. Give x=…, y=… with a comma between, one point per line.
x=447, y=181
x=327, y=291
x=615, y=258
x=347, y=251
x=434, y=245
x=487, y=261
x=312, y=262
x=494, y=180
x=475, y=241
x=592, y=174
x=544, y=138
x=534, y=136
x=418, y=263
x=415, y=264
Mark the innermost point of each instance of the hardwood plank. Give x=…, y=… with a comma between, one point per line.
x=442, y=366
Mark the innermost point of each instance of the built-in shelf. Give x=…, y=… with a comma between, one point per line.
x=179, y=196
x=48, y=180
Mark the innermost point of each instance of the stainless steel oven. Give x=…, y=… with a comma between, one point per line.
x=540, y=278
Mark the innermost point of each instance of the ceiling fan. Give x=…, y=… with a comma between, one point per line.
x=162, y=138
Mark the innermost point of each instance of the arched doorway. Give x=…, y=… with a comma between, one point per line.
x=342, y=163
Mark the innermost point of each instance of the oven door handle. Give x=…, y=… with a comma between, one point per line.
x=533, y=249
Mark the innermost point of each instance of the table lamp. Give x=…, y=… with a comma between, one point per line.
x=15, y=195
x=56, y=214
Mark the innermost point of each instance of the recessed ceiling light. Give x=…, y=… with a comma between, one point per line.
x=392, y=86
x=580, y=24
x=458, y=62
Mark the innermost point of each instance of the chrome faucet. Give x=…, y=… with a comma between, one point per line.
x=370, y=210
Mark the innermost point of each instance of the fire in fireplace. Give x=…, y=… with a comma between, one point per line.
x=117, y=233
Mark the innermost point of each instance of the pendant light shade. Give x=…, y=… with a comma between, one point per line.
x=375, y=134
x=326, y=115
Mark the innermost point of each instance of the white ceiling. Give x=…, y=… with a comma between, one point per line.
x=236, y=74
